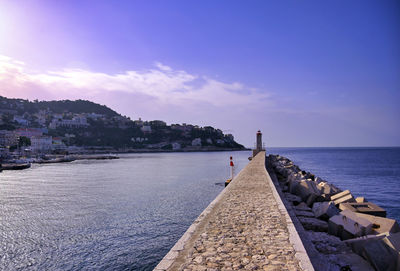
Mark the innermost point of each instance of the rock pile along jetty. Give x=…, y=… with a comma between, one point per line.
x=340, y=232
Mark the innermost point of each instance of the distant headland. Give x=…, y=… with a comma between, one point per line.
x=80, y=126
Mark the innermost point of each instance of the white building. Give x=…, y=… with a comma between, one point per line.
x=21, y=120
x=146, y=129
x=41, y=143
x=196, y=142
x=220, y=141
x=176, y=146
x=94, y=116
x=76, y=122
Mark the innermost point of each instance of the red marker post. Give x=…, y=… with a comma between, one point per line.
x=232, y=167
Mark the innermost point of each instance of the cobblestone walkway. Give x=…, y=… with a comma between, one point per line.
x=245, y=230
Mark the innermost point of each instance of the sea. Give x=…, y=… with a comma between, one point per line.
x=126, y=214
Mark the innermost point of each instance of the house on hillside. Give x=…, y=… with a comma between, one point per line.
x=21, y=120
x=146, y=129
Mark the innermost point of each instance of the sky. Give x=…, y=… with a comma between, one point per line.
x=306, y=73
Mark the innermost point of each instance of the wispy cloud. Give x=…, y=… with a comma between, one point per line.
x=162, y=92
x=163, y=83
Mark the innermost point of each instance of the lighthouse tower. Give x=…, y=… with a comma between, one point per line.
x=259, y=145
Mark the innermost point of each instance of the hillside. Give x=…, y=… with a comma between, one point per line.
x=86, y=124
x=78, y=106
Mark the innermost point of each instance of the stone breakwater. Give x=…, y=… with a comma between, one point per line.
x=245, y=228
x=339, y=232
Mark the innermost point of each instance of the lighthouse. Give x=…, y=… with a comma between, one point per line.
x=259, y=145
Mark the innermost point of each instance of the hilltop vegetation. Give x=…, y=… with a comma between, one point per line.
x=78, y=106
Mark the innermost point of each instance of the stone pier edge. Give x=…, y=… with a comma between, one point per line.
x=173, y=254
x=294, y=238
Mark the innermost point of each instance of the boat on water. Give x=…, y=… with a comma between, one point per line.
x=55, y=160
x=15, y=166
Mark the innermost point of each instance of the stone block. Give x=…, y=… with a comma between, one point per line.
x=381, y=256
x=347, y=225
x=301, y=190
x=318, y=180
x=365, y=208
x=293, y=177
x=357, y=244
x=293, y=185
x=311, y=199
x=340, y=194
x=324, y=187
x=302, y=207
x=328, y=189
x=393, y=240
x=304, y=213
x=378, y=250
x=305, y=188
x=347, y=198
x=381, y=224
x=325, y=210
x=295, y=200
x=325, y=197
x=342, y=197
x=360, y=199
x=313, y=224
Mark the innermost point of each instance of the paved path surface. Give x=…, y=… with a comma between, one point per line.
x=243, y=229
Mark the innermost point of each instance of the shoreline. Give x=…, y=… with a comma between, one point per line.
x=161, y=150
x=97, y=155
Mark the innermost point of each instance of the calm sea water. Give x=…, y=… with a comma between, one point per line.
x=373, y=173
x=126, y=214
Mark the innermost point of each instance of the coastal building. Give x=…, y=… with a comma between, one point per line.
x=41, y=117
x=76, y=122
x=220, y=141
x=146, y=129
x=41, y=120
x=177, y=127
x=94, y=116
x=8, y=111
x=138, y=122
x=176, y=146
x=58, y=144
x=196, y=142
x=41, y=143
x=21, y=120
x=138, y=139
x=8, y=138
x=57, y=116
x=158, y=123
x=29, y=132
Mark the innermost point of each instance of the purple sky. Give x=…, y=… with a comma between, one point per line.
x=307, y=73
